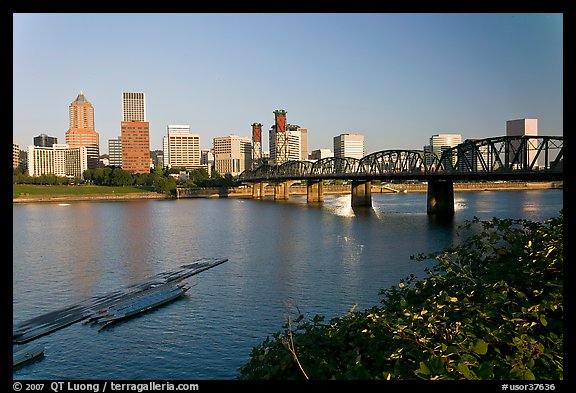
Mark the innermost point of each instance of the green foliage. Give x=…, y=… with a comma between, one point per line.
x=490, y=308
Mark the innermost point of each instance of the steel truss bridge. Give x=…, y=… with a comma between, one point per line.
x=495, y=158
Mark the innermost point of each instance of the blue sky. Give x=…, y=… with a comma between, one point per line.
x=396, y=78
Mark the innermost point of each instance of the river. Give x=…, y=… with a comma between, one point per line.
x=283, y=258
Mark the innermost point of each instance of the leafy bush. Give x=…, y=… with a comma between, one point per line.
x=491, y=308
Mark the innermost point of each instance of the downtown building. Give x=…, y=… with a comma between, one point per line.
x=115, y=152
x=440, y=143
x=232, y=154
x=285, y=146
x=522, y=127
x=81, y=131
x=349, y=145
x=286, y=142
x=135, y=134
x=59, y=160
x=44, y=140
x=15, y=155
x=181, y=148
x=319, y=154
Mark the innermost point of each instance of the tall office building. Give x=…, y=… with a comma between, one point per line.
x=135, y=134
x=522, y=127
x=349, y=145
x=320, y=154
x=44, y=140
x=207, y=160
x=303, y=143
x=59, y=160
x=232, y=154
x=81, y=131
x=115, y=152
x=133, y=107
x=15, y=155
x=291, y=149
x=181, y=148
x=441, y=142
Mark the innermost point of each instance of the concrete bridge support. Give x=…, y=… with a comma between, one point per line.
x=258, y=190
x=440, y=197
x=314, y=191
x=361, y=193
x=281, y=190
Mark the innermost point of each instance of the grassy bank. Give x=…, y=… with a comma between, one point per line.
x=30, y=190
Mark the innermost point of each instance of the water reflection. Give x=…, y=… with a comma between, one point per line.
x=319, y=258
x=135, y=232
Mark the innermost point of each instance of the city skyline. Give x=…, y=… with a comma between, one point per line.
x=395, y=78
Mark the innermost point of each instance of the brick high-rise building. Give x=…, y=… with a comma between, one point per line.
x=82, y=131
x=136, y=146
x=135, y=134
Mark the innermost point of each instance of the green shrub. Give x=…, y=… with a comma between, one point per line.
x=491, y=308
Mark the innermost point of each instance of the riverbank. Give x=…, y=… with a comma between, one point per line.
x=245, y=192
x=90, y=197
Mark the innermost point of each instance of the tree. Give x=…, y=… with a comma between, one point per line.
x=164, y=184
x=491, y=308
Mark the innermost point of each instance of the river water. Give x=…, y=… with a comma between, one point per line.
x=283, y=258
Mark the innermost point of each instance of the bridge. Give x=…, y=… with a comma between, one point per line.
x=496, y=158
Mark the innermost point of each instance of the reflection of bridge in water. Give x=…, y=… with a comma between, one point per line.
x=496, y=158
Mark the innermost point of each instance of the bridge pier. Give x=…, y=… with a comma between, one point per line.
x=440, y=198
x=258, y=190
x=361, y=193
x=281, y=190
x=314, y=191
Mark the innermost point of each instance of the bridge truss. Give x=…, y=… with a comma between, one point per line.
x=503, y=157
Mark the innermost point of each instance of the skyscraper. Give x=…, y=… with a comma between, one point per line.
x=441, y=142
x=232, y=154
x=181, y=148
x=349, y=145
x=81, y=131
x=522, y=127
x=115, y=152
x=133, y=107
x=135, y=134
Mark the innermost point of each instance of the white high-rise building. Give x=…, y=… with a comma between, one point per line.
x=292, y=144
x=115, y=152
x=181, y=148
x=232, y=154
x=207, y=160
x=441, y=142
x=59, y=160
x=349, y=145
x=320, y=154
x=522, y=127
x=133, y=107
